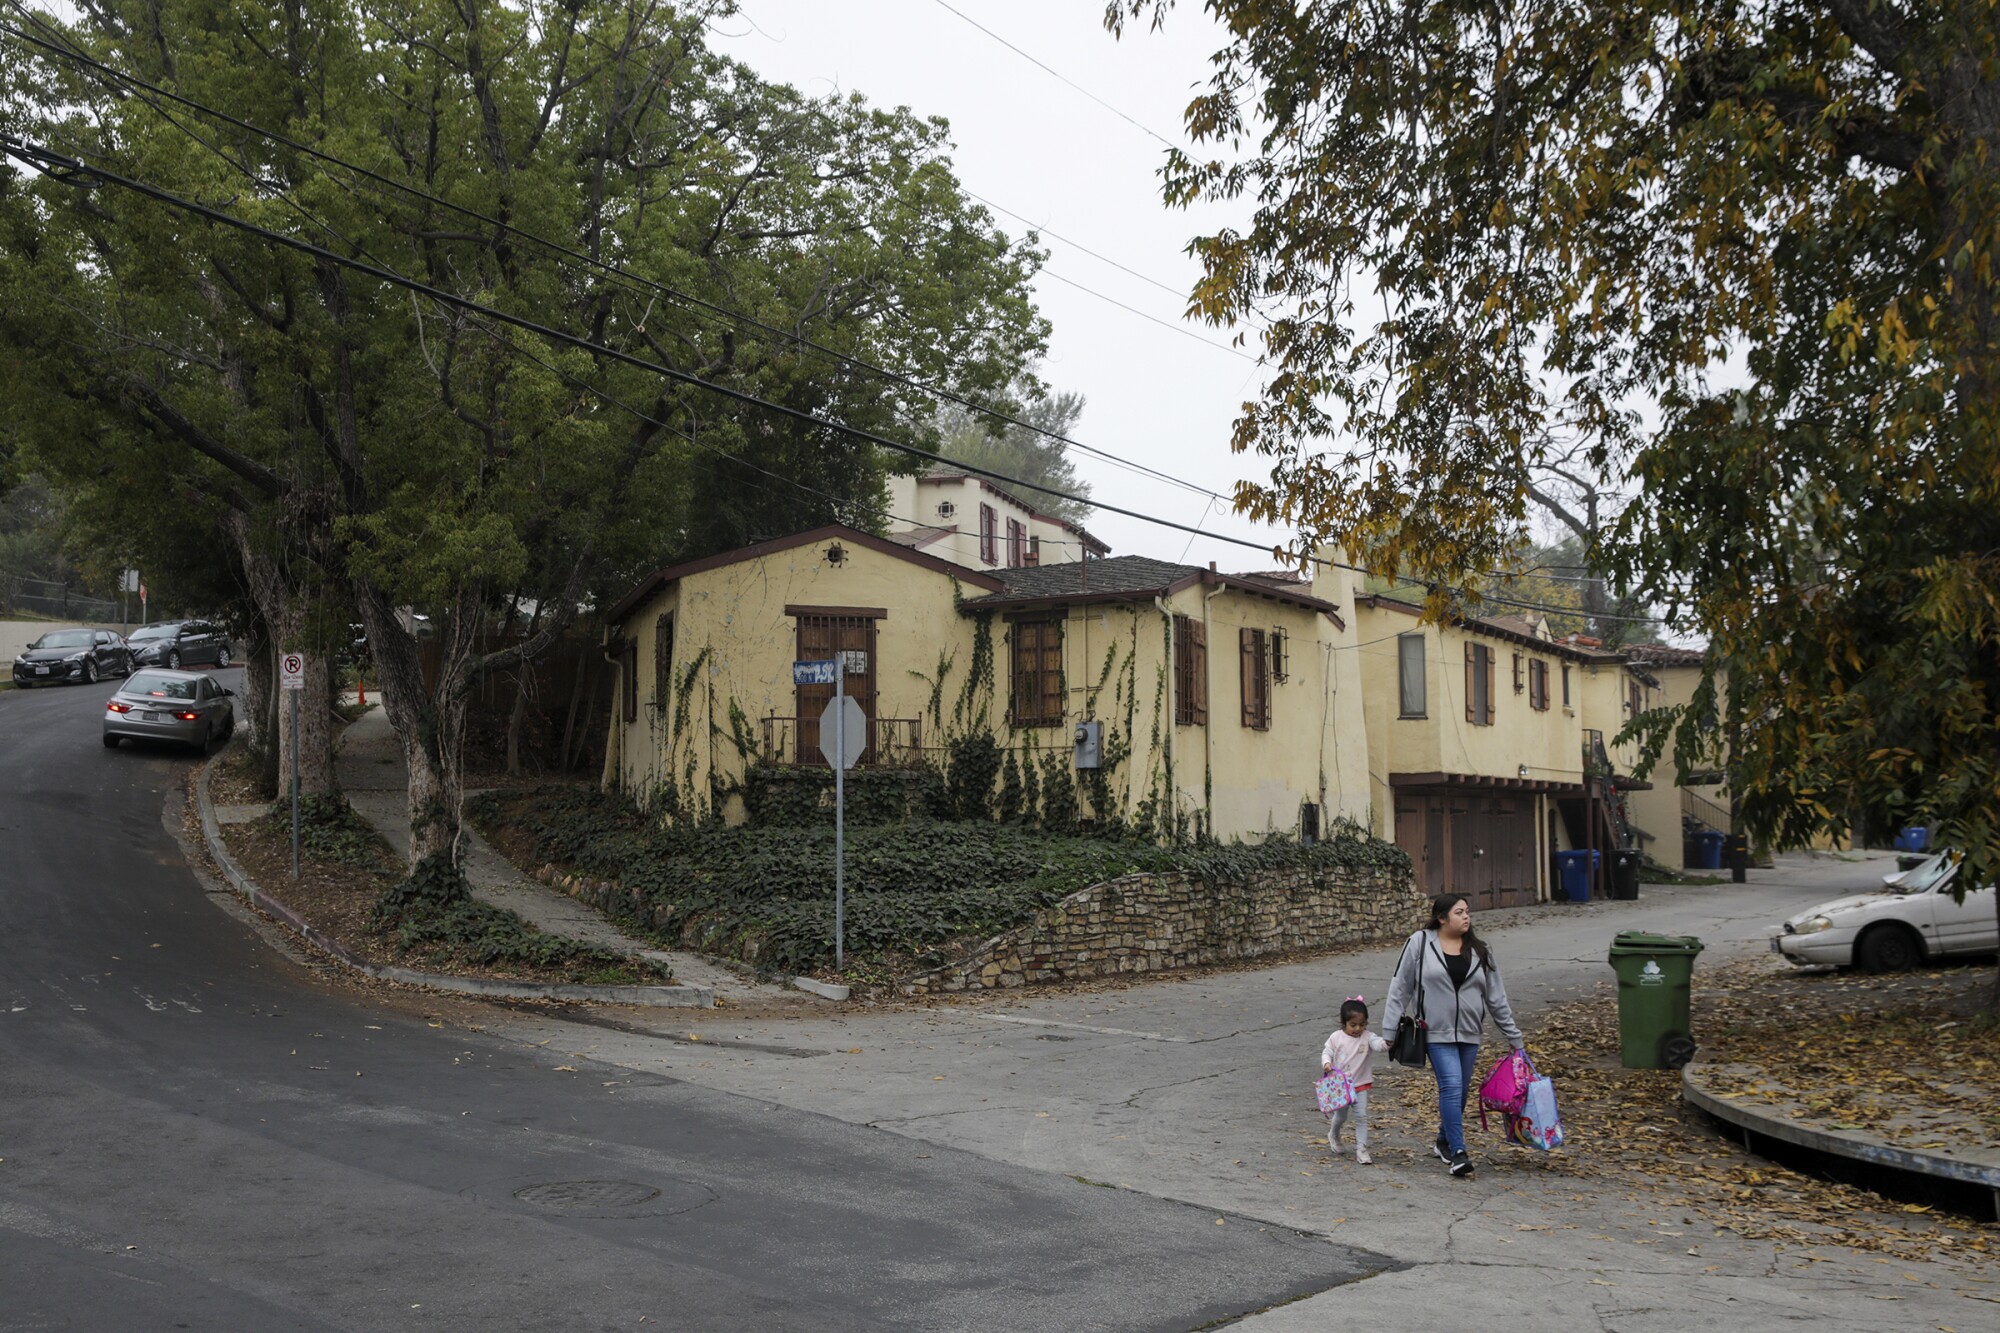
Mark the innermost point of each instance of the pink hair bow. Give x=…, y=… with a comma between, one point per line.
x=1363, y=999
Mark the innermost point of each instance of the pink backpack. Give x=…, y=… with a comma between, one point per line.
x=1506, y=1089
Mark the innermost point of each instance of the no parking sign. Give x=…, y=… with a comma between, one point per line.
x=292, y=671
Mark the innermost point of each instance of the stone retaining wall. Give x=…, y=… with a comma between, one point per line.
x=1153, y=923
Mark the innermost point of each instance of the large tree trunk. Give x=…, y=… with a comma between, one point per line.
x=258, y=715
x=429, y=721
x=284, y=611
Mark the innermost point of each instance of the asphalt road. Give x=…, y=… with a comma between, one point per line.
x=198, y=1132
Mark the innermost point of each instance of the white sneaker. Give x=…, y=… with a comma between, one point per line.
x=1333, y=1144
x=1361, y=1156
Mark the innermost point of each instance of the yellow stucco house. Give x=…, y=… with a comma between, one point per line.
x=1164, y=698
x=1173, y=697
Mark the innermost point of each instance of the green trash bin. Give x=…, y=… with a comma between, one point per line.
x=1654, y=972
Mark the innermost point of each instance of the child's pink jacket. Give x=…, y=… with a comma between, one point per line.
x=1351, y=1054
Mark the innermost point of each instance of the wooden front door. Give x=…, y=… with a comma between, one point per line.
x=821, y=637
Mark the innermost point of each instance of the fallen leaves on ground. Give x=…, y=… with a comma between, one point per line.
x=1903, y=1056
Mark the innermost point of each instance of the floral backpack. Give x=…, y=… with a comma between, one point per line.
x=1334, y=1091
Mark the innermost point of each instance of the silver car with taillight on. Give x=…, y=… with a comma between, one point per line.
x=184, y=707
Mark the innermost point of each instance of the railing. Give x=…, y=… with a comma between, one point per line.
x=893, y=742
x=1699, y=811
x=1596, y=759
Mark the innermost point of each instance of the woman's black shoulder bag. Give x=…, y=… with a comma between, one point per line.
x=1413, y=1037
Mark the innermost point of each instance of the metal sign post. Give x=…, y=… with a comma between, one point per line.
x=292, y=676
x=843, y=735
x=839, y=820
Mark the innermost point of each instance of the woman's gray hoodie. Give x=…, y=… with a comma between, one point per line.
x=1451, y=1014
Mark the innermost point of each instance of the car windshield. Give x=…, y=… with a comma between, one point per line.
x=63, y=638
x=1925, y=874
x=154, y=632
x=156, y=686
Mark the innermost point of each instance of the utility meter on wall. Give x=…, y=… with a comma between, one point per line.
x=1090, y=744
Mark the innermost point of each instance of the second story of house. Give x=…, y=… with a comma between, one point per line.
x=1475, y=698
x=978, y=524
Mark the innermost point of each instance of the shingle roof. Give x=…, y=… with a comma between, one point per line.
x=1117, y=575
x=1663, y=654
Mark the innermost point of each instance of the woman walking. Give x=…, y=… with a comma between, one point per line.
x=1446, y=977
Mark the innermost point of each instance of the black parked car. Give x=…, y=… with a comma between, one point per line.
x=72, y=655
x=178, y=643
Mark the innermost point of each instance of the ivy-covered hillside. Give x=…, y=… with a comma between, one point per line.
x=765, y=894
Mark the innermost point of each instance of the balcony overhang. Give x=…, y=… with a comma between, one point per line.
x=1493, y=782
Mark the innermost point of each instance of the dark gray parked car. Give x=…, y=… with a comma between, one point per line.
x=181, y=706
x=180, y=643
x=72, y=655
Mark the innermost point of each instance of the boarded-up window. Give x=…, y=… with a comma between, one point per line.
x=1254, y=653
x=989, y=535
x=1037, y=689
x=1479, y=684
x=1538, y=685
x=663, y=665
x=1190, y=672
x=1410, y=674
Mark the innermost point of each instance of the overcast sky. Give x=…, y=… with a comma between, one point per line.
x=1163, y=393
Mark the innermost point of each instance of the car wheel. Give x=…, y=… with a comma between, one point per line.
x=174, y=660
x=207, y=739
x=222, y=657
x=90, y=671
x=1889, y=948
x=110, y=742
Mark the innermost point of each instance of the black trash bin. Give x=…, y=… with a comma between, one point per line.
x=1625, y=873
x=1736, y=855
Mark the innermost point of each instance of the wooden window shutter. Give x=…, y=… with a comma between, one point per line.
x=1520, y=682
x=628, y=667
x=1489, y=655
x=1246, y=651
x=1471, y=665
x=1199, y=669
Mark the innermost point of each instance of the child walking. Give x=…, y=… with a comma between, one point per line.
x=1348, y=1049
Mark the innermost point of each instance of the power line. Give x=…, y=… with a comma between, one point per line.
x=1181, y=329
x=1041, y=230
x=1063, y=78
x=710, y=308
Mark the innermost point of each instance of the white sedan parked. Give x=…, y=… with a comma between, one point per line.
x=1914, y=918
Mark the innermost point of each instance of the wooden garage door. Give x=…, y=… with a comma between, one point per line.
x=1473, y=843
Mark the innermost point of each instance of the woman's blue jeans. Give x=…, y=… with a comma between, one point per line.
x=1452, y=1062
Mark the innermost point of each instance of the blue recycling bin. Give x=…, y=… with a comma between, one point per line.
x=1575, y=868
x=1915, y=838
x=1711, y=849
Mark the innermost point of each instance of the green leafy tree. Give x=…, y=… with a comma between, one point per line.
x=1032, y=452
x=1474, y=227
x=363, y=444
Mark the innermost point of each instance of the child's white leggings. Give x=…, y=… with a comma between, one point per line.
x=1355, y=1114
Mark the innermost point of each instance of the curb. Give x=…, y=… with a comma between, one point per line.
x=1838, y=1142
x=666, y=997
x=825, y=990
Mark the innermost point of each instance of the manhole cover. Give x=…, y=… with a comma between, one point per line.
x=606, y=1198
x=570, y=1195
